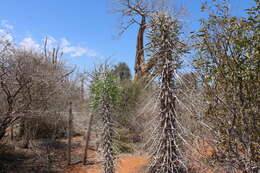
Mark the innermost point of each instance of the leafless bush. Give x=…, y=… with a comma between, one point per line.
x=46, y=126
x=33, y=83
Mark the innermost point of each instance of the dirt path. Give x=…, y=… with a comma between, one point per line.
x=125, y=164
x=131, y=164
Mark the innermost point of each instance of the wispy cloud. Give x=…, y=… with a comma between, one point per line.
x=29, y=43
x=75, y=51
x=5, y=24
x=66, y=47
x=5, y=34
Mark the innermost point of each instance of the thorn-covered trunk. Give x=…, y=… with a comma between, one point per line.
x=167, y=156
x=107, y=137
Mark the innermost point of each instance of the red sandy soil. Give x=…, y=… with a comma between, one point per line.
x=126, y=164
x=83, y=169
x=134, y=163
x=131, y=164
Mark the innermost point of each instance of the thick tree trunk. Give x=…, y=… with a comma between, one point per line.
x=139, y=57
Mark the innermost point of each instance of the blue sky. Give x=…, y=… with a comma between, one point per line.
x=84, y=27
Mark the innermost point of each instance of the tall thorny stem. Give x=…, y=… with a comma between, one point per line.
x=107, y=137
x=166, y=45
x=104, y=95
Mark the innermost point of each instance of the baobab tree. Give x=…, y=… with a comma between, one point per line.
x=139, y=12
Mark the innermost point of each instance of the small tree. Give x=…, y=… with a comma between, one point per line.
x=104, y=90
x=123, y=72
x=228, y=61
x=166, y=45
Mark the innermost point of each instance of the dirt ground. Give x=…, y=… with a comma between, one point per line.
x=129, y=163
x=125, y=163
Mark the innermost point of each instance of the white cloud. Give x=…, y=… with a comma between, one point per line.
x=29, y=44
x=75, y=51
x=5, y=36
x=5, y=24
x=64, y=42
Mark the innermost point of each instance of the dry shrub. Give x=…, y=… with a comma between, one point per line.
x=9, y=158
x=46, y=126
x=34, y=83
x=128, y=102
